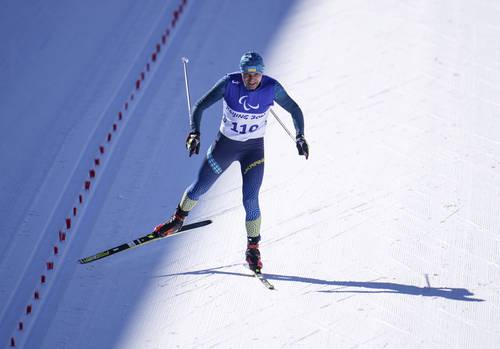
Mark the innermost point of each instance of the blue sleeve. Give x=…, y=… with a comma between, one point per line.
x=212, y=96
x=287, y=103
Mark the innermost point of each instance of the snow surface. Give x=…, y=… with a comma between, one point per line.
x=387, y=237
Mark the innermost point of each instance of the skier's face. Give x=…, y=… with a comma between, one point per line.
x=251, y=80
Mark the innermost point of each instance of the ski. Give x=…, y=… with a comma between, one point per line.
x=263, y=279
x=140, y=241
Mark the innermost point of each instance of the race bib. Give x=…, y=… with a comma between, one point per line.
x=241, y=126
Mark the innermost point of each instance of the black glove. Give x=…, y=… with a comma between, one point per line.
x=302, y=146
x=193, y=143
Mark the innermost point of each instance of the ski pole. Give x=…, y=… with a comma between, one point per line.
x=282, y=125
x=184, y=63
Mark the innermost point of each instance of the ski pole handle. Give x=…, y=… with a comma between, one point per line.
x=185, y=61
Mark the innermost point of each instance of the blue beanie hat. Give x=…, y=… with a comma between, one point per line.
x=251, y=62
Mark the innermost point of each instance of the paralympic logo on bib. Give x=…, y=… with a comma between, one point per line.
x=247, y=106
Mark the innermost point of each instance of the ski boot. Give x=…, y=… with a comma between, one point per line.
x=253, y=254
x=173, y=225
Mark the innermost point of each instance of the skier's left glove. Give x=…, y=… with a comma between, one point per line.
x=193, y=143
x=302, y=146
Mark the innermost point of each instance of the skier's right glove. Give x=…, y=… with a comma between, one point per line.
x=193, y=143
x=302, y=146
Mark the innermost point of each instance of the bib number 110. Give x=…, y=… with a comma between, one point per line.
x=242, y=129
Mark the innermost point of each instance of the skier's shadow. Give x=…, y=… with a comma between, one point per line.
x=457, y=294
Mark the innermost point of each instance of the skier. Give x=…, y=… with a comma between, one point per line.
x=247, y=96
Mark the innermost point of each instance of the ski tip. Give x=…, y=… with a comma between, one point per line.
x=198, y=224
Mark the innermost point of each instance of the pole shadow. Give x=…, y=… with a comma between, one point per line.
x=452, y=293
